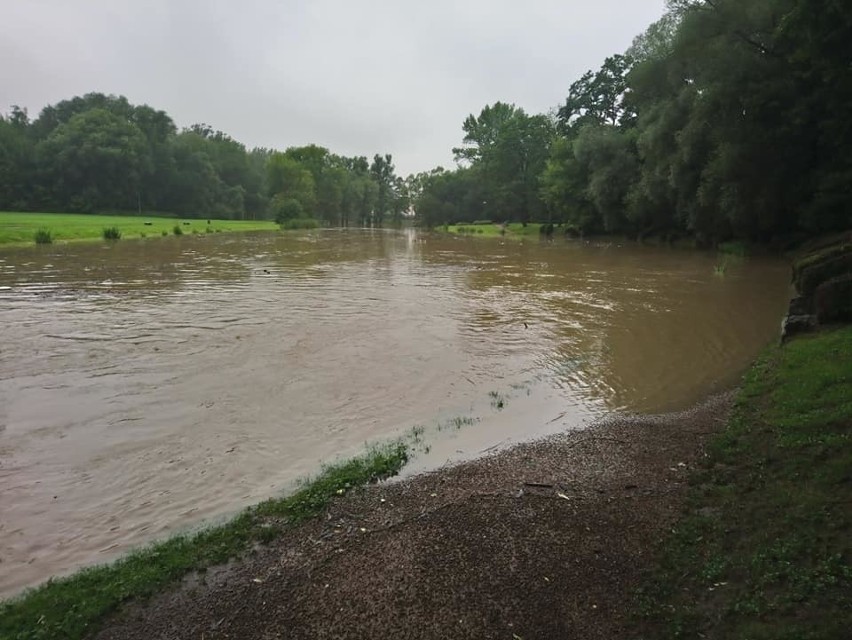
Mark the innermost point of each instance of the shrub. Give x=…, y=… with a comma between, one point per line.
x=290, y=209
x=177, y=230
x=112, y=233
x=43, y=236
x=164, y=232
x=300, y=223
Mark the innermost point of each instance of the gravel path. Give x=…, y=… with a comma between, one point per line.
x=546, y=540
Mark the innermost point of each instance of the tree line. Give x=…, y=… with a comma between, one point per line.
x=724, y=119
x=99, y=153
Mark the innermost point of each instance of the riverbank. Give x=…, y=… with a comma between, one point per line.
x=545, y=540
x=764, y=548
x=21, y=228
x=726, y=522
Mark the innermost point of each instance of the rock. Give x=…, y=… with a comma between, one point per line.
x=833, y=299
x=799, y=306
x=793, y=325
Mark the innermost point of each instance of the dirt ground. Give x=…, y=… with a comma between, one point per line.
x=546, y=540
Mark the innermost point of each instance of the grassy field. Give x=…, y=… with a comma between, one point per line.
x=21, y=228
x=764, y=550
x=73, y=607
x=513, y=230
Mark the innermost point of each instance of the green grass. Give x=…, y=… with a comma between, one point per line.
x=765, y=546
x=513, y=230
x=20, y=228
x=75, y=606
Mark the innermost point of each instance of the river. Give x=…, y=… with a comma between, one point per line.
x=150, y=386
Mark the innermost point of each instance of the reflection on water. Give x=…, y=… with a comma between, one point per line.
x=147, y=386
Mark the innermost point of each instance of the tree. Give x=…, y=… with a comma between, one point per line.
x=17, y=162
x=382, y=172
x=288, y=180
x=506, y=151
x=94, y=161
x=598, y=97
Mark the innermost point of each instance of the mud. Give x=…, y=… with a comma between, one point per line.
x=546, y=540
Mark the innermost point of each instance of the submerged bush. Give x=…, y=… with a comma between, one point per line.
x=112, y=233
x=43, y=236
x=300, y=223
x=177, y=230
x=287, y=210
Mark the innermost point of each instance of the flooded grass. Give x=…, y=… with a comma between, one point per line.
x=498, y=400
x=513, y=230
x=114, y=233
x=24, y=228
x=764, y=549
x=74, y=606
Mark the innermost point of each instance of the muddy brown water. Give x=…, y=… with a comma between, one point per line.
x=148, y=387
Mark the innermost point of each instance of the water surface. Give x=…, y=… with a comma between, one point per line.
x=149, y=386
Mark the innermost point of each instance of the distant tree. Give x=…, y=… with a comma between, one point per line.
x=288, y=180
x=382, y=173
x=94, y=161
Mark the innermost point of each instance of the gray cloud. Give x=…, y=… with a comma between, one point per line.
x=358, y=77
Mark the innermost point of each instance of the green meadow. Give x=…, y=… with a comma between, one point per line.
x=21, y=228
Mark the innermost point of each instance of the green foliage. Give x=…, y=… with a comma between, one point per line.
x=177, y=230
x=725, y=120
x=300, y=223
x=43, y=236
x=99, y=153
x=764, y=548
x=112, y=233
x=73, y=607
x=287, y=209
x=506, y=151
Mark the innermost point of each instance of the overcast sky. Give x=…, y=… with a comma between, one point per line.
x=358, y=77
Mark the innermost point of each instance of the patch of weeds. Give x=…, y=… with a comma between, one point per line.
x=165, y=233
x=456, y=423
x=111, y=233
x=177, y=230
x=43, y=236
x=462, y=421
x=498, y=400
x=75, y=606
x=726, y=262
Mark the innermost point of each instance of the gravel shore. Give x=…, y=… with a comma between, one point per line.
x=545, y=540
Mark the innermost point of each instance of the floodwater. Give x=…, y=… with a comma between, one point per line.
x=149, y=386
